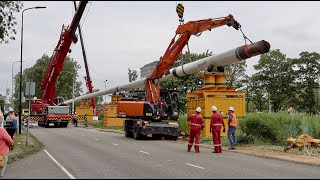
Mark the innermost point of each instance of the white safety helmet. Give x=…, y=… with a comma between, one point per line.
x=231, y=109
x=213, y=108
x=10, y=109
x=198, y=109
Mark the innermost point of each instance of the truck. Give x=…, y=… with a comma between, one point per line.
x=50, y=110
x=155, y=114
x=55, y=116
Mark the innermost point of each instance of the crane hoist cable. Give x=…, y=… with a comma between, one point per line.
x=245, y=42
x=86, y=14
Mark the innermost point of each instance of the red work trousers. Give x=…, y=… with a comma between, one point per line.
x=194, y=133
x=216, y=139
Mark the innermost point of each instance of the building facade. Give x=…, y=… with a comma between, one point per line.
x=147, y=69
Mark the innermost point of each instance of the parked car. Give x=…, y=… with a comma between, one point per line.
x=31, y=124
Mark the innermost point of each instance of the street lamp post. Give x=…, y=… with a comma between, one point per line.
x=20, y=91
x=73, y=81
x=105, y=87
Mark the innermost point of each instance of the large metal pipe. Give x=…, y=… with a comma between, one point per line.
x=222, y=59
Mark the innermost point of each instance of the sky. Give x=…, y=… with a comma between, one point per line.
x=129, y=34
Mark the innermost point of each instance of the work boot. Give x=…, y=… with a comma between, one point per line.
x=215, y=152
x=188, y=150
x=197, y=151
x=231, y=148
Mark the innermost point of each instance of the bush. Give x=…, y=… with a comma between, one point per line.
x=246, y=139
x=183, y=123
x=275, y=128
x=101, y=116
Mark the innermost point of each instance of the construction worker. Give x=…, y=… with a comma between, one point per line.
x=75, y=119
x=197, y=124
x=232, y=123
x=215, y=128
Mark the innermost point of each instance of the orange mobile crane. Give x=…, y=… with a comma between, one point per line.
x=149, y=117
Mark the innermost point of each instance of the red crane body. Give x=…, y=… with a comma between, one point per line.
x=56, y=63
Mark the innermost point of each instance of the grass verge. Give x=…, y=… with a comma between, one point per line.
x=99, y=124
x=20, y=150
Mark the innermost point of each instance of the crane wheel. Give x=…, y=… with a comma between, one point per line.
x=127, y=132
x=136, y=133
x=174, y=138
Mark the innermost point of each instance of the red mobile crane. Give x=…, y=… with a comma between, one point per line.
x=48, y=108
x=148, y=117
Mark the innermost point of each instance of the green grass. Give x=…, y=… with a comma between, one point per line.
x=114, y=127
x=96, y=124
x=20, y=150
x=275, y=128
x=99, y=124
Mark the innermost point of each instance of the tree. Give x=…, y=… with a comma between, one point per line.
x=7, y=20
x=133, y=74
x=256, y=93
x=275, y=76
x=98, y=100
x=64, y=81
x=186, y=83
x=238, y=77
x=307, y=79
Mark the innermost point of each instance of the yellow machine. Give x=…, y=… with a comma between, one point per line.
x=216, y=93
x=110, y=113
x=301, y=142
x=85, y=111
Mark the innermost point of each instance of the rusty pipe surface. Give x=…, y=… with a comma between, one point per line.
x=222, y=59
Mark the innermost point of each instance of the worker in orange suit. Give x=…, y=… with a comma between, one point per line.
x=197, y=124
x=215, y=128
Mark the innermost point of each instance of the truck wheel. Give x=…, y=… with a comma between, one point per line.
x=127, y=132
x=157, y=136
x=174, y=138
x=167, y=137
x=136, y=134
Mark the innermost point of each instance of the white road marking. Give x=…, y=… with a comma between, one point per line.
x=144, y=152
x=195, y=166
x=159, y=165
x=169, y=160
x=63, y=169
x=97, y=139
x=115, y=144
x=82, y=135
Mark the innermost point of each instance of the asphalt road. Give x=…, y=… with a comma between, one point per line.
x=88, y=153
